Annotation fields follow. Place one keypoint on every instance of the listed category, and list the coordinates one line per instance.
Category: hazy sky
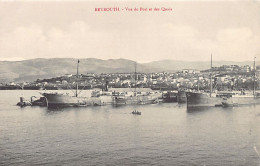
(191, 31)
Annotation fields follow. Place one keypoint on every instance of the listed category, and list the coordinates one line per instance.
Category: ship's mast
(135, 78)
(210, 75)
(254, 77)
(198, 85)
(77, 86)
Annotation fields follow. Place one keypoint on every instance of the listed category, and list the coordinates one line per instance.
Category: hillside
(30, 70)
(171, 65)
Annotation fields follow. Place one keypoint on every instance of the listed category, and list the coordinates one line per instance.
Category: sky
(191, 31)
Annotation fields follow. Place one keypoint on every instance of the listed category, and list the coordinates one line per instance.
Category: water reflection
(198, 109)
(164, 134)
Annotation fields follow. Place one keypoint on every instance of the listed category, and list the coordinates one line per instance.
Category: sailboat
(222, 98)
(66, 100)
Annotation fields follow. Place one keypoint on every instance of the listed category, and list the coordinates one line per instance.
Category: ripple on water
(165, 134)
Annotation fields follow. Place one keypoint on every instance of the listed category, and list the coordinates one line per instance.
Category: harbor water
(165, 134)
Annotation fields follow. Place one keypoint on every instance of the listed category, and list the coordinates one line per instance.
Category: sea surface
(165, 134)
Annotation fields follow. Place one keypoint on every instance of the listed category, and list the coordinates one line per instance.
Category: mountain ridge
(39, 68)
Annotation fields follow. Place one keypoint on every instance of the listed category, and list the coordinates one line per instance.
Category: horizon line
(142, 62)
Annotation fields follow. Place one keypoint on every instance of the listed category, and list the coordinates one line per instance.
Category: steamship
(221, 98)
(136, 97)
(66, 100)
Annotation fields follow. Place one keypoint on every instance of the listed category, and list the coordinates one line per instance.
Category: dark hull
(39, 102)
(135, 100)
(195, 99)
(181, 97)
(170, 97)
(60, 100)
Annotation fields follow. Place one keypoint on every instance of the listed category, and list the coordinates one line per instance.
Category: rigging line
(71, 89)
(82, 89)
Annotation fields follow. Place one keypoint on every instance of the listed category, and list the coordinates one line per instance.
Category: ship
(170, 96)
(134, 96)
(66, 100)
(222, 98)
(181, 96)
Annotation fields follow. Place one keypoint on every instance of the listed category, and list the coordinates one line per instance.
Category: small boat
(136, 112)
(219, 105)
(24, 102)
(227, 104)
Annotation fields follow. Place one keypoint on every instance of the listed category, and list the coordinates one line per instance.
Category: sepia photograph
(127, 82)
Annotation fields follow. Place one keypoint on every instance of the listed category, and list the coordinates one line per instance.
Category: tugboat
(41, 101)
(38, 101)
(24, 102)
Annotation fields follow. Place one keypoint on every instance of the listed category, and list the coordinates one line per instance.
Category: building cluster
(232, 69)
(222, 78)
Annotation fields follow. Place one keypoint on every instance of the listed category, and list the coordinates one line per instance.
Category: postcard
(129, 82)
